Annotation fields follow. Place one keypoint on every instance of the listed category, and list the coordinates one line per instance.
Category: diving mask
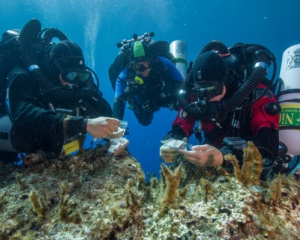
(141, 66)
(75, 75)
(207, 89)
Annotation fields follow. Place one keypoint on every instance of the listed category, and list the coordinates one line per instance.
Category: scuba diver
(51, 98)
(227, 94)
(148, 82)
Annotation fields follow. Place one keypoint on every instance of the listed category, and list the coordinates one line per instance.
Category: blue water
(98, 25)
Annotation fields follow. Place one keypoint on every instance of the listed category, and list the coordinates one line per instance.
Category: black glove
(215, 111)
(150, 106)
(74, 125)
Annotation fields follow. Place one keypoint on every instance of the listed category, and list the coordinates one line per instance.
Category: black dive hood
(38, 43)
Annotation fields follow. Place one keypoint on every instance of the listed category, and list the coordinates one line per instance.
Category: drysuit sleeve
(120, 100)
(182, 126)
(121, 83)
(24, 108)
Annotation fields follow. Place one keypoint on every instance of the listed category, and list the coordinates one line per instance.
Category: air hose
(30, 31)
(257, 76)
(51, 33)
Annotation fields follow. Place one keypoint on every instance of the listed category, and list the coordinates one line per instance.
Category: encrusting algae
(90, 196)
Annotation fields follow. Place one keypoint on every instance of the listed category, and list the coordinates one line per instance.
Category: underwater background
(97, 25)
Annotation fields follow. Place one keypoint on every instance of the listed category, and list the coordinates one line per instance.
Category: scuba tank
(178, 49)
(8, 59)
(289, 100)
(5, 129)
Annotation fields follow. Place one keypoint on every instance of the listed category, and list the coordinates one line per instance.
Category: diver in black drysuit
(35, 124)
(52, 99)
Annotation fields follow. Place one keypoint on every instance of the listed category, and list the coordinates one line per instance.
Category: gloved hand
(131, 88)
(150, 106)
(215, 111)
(166, 100)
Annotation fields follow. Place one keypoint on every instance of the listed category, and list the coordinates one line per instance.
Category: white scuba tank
(179, 50)
(5, 129)
(289, 100)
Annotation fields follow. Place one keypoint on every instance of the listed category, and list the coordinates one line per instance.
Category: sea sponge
(247, 164)
(252, 165)
(2, 199)
(64, 208)
(22, 184)
(64, 212)
(256, 165)
(206, 187)
(38, 203)
(237, 171)
(274, 191)
(171, 181)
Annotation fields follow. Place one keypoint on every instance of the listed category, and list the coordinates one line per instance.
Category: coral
(38, 203)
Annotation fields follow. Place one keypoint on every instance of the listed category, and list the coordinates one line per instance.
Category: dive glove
(74, 125)
(150, 106)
